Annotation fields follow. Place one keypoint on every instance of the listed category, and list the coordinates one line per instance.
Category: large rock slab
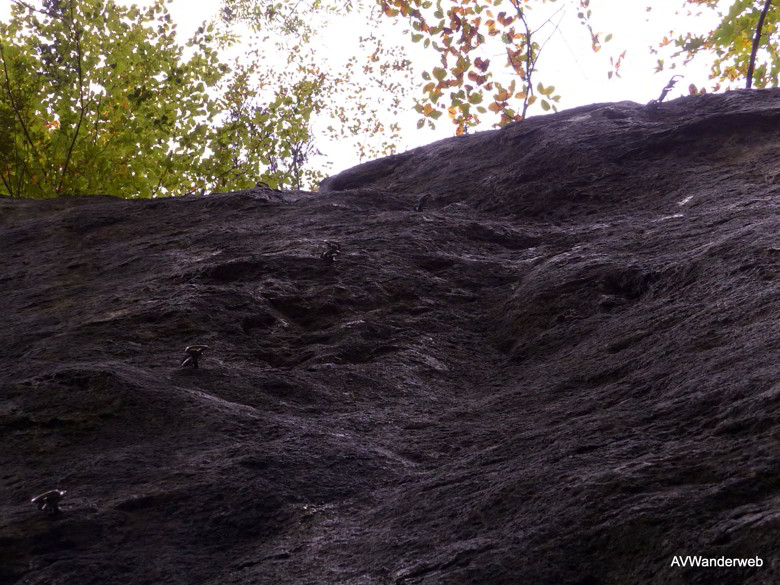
(563, 370)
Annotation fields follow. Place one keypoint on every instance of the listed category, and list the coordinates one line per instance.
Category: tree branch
(81, 103)
(162, 175)
(11, 98)
(33, 9)
(529, 58)
(17, 110)
(7, 185)
(756, 42)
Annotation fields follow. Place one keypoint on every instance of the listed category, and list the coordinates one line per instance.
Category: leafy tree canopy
(362, 91)
(466, 34)
(99, 97)
(733, 45)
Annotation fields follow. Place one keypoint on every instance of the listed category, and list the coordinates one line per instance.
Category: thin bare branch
(756, 43)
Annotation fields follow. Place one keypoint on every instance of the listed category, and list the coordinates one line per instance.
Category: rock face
(564, 370)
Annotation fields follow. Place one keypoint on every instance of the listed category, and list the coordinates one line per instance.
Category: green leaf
(420, 123)
(439, 73)
(134, 129)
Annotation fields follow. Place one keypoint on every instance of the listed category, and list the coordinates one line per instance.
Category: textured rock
(564, 370)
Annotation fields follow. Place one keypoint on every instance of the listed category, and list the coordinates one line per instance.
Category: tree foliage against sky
(99, 97)
(361, 93)
(730, 44)
(466, 34)
(93, 96)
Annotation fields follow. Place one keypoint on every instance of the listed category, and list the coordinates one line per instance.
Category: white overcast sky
(567, 62)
